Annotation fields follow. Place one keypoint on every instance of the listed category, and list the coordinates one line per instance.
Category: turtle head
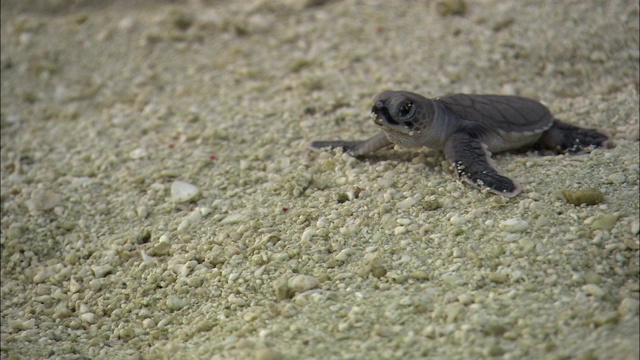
(402, 111)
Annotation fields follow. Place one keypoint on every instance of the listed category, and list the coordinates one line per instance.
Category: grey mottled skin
(468, 128)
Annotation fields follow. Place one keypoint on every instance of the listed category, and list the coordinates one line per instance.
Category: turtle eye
(405, 110)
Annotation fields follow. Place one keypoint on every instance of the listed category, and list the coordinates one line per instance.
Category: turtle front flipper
(355, 148)
(472, 162)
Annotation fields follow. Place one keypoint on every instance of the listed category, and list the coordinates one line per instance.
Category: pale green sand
(160, 200)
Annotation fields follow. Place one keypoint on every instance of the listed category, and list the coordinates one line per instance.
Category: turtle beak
(381, 116)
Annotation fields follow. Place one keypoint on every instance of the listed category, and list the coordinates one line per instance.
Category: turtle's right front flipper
(355, 148)
(472, 162)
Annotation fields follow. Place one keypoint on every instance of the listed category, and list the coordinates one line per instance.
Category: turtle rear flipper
(472, 162)
(355, 148)
(565, 137)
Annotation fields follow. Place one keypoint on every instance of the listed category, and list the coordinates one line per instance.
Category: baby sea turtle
(468, 128)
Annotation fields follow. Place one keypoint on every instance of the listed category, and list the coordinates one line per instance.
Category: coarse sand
(160, 200)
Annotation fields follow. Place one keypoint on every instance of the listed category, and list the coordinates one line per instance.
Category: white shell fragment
(514, 225)
(182, 191)
(302, 283)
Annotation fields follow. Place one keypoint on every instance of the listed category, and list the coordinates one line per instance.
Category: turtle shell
(518, 121)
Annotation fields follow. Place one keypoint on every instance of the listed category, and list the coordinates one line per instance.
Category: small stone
(377, 269)
(42, 200)
(95, 284)
(175, 303)
(498, 277)
(161, 249)
(142, 212)
(457, 220)
(587, 196)
(253, 313)
(605, 222)
(101, 271)
(628, 307)
(236, 300)
(514, 225)
(400, 230)
(19, 325)
(41, 277)
(495, 351)
(289, 310)
(148, 323)
(74, 287)
(419, 275)
(453, 310)
(302, 283)
(281, 288)
(234, 219)
(465, 299)
(430, 205)
(138, 153)
(308, 234)
(183, 192)
(593, 290)
(193, 218)
(635, 228)
(495, 330)
(89, 318)
(406, 203)
(344, 254)
(617, 178)
(342, 198)
(268, 354)
(451, 7)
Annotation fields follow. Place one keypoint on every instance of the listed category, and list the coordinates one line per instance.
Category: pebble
(457, 220)
(628, 307)
(400, 230)
(19, 325)
(406, 203)
(41, 277)
(138, 153)
(453, 310)
(193, 218)
(148, 323)
(268, 354)
(593, 290)
(605, 222)
(635, 227)
(163, 248)
(302, 283)
(514, 225)
(42, 200)
(101, 271)
(89, 318)
(175, 303)
(253, 313)
(234, 219)
(587, 196)
(617, 178)
(451, 7)
(281, 288)
(308, 234)
(183, 192)
(344, 254)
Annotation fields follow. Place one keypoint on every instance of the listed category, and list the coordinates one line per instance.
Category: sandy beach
(160, 200)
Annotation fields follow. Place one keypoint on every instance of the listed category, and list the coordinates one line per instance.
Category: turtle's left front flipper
(355, 148)
(472, 162)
